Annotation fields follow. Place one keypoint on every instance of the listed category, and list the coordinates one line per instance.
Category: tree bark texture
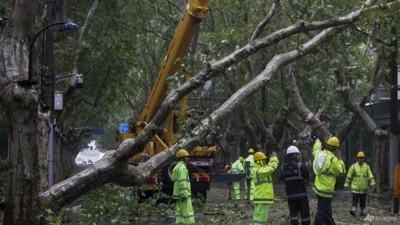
(21, 106)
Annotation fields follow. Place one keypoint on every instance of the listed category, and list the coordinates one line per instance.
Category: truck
(201, 157)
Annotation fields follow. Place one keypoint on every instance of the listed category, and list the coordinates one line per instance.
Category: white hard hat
(292, 149)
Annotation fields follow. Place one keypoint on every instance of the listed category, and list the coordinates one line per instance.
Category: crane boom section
(195, 11)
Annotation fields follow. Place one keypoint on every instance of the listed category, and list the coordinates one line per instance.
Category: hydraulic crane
(202, 158)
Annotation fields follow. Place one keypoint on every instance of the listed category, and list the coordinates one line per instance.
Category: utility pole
(394, 148)
(48, 76)
(47, 92)
(394, 152)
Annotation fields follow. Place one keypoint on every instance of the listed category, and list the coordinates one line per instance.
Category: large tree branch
(346, 126)
(351, 104)
(303, 111)
(305, 136)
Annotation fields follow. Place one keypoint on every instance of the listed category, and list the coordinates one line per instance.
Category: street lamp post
(64, 27)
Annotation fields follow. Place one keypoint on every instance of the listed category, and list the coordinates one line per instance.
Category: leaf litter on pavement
(218, 209)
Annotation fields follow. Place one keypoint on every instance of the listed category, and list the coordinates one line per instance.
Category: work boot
(362, 212)
(352, 212)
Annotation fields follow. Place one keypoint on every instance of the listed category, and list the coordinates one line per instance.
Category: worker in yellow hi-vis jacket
(237, 168)
(361, 179)
(182, 191)
(327, 166)
(263, 190)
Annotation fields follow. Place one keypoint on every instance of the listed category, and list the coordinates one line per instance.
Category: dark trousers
(357, 197)
(324, 212)
(296, 206)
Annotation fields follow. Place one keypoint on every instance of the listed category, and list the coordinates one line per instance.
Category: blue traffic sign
(123, 127)
(98, 131)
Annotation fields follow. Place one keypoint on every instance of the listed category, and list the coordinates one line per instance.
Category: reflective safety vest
(237, 168)
(293, 174)
(180, 177)
(264, 191)
(330, 168)
(360, 177)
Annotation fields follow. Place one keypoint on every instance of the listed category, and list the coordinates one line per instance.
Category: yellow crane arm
(195, 10)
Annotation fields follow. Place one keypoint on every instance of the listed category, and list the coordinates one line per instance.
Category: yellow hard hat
(333, 141)
(182, 153)
(259, 156)
(251, 151)
(241, 158)
(360, 155)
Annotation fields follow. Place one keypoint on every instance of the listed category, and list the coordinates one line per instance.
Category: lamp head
(3, 21)
(78, 81)
(68, 26)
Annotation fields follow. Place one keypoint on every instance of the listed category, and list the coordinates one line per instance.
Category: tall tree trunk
(22, 188)
(20, 104)
(43, 143)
